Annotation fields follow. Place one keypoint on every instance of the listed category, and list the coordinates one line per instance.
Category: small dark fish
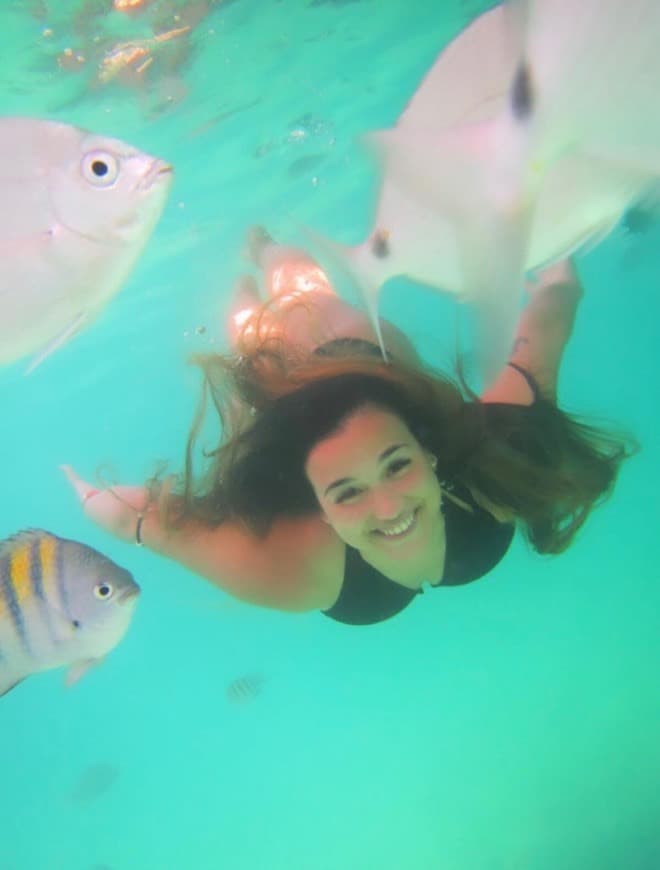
(243, 690)
(640, 219)
(305, 164)
(222, 116)
(94, 782)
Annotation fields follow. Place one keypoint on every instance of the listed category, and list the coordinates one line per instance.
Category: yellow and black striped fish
(61, 603)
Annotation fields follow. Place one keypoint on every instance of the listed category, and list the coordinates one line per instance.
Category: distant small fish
(94, 782)
(76, 210)
(639, 220)
(303, 165)
(245, 689)
(61, 604)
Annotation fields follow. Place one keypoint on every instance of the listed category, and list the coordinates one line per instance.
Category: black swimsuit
(475, 540)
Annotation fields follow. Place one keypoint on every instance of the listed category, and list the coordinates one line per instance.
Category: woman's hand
(116, 509)
(544, 328)
(561, 272)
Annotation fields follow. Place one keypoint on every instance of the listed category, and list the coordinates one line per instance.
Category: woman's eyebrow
(390, 450)
(383, 456)
(337, 483)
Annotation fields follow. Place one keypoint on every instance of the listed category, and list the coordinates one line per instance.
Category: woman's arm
(544, 328)
(297, 566)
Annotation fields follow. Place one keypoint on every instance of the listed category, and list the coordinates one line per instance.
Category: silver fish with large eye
(76, 211)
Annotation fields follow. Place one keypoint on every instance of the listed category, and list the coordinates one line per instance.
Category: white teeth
(400, 528)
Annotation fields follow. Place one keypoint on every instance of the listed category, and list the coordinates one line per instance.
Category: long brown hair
(534, 464)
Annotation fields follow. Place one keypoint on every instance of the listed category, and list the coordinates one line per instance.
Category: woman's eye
(397, 465)
(348, 495)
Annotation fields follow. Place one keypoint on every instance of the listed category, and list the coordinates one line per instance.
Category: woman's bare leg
(305, 310)
(245, 303)
(287, 272)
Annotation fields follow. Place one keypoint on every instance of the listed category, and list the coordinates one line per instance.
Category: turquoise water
(508, 725)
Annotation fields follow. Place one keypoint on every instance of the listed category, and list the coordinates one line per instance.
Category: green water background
(508, 725)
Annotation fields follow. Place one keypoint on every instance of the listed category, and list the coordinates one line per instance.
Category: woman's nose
(386, 503)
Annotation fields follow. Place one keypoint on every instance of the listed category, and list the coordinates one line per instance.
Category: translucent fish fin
(64, 628)
(61, 339)
(21, 539)
(338, 262)
(494, 284)
(78, 670)
(639, 160)
(7, 684)
(515, 20)
(475, 176)
(350, 280)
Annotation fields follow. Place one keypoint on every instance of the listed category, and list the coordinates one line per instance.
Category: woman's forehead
(362, 437)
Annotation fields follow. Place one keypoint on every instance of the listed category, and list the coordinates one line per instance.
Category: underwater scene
(152, 720)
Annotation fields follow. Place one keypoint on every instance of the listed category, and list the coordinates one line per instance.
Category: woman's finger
(83, 490)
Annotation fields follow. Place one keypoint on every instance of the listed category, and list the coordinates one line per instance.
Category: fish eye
(100, 168)
(103, 591)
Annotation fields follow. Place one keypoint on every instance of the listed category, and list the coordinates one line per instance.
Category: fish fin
(473, 174)
(64, 628)
(349, 277)
(515, 20)
(494, 282)
(78, 670)
(23, 538)
(60, 339)
(581, 200)
(7, 685)
(636, 160)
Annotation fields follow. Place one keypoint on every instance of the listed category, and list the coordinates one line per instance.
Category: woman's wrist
(117, 510)
(138, 530)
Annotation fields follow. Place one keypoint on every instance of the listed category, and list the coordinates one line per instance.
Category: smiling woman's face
(377, 489)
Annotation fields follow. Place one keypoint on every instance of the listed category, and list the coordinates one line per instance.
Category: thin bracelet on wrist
(138, 531)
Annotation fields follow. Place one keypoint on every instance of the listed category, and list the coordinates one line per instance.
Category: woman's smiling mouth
(400, 529)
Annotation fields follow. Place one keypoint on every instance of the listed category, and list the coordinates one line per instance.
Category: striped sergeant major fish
(61, 604)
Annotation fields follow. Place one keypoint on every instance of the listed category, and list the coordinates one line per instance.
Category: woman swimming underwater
(342, 483)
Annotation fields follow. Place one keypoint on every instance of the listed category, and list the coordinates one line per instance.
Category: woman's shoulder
(323, 559)
(304, 558)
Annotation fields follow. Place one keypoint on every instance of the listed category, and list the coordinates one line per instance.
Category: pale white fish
(61, 604)
(76, 211)
(531, 135)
